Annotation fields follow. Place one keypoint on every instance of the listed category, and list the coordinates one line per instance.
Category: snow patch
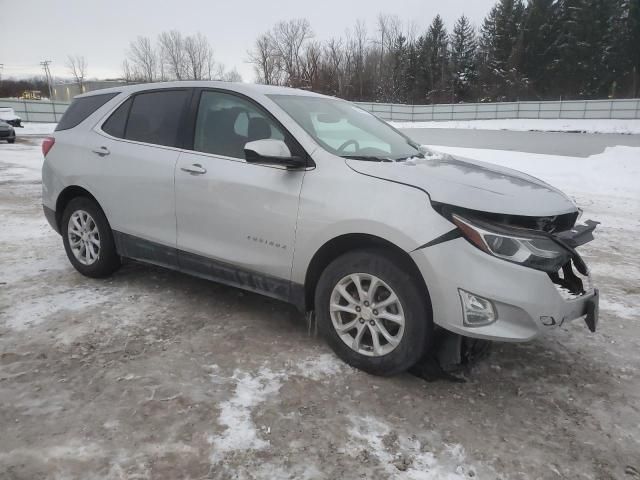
(23, 314)
(31, 128)
(19, 162)
(404, 457)
(320, 367)
(617, 169)
(620, 310)
(630, 126)
(241, 433)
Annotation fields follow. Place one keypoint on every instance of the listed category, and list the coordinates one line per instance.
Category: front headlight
(524, 247)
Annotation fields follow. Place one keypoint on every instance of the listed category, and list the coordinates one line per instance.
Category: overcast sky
(101, 30)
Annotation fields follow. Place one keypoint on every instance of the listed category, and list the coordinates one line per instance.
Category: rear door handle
(195, 169)
(101, 151)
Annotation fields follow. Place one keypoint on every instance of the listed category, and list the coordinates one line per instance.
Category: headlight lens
(525, 248)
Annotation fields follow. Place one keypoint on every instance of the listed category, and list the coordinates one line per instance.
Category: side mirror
(271, 152)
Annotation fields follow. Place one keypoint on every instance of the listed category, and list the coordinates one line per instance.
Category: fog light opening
(477, 311)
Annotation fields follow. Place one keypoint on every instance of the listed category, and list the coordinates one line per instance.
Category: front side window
(155, 117)
(81, 108)
(225, 123)
(346, 130)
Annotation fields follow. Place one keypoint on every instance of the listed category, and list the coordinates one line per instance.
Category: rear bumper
(527, 302)
(50, 215)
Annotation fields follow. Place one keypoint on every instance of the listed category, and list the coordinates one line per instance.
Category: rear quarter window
(117, 122)
(81, 108)
(155, 117)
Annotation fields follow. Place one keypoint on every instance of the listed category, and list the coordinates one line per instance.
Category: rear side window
(81, 108)
(155, 117)
(117, 122)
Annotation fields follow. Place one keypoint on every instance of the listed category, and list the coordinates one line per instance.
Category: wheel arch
(342, 244)
(68, 194)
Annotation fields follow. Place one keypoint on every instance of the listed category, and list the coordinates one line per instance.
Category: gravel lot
(155, 375)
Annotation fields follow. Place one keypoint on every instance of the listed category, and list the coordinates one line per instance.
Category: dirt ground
(155, 375)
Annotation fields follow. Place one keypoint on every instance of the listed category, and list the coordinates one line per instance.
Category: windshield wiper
(369, 158)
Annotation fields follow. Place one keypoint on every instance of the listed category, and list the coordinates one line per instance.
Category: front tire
(373, 313)
(88, 239)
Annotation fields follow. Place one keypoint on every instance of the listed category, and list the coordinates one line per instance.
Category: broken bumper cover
(526, 300)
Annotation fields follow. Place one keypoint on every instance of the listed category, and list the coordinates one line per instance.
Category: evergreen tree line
(544, 50)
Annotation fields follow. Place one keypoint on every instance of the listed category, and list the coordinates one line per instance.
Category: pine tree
(622, 50)
(580, 49)
(463, 59)
(398, 54)
(424, 77)
(540, 29)
(438, 61)
(501, 49)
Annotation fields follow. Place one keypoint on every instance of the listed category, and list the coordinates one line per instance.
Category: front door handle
(195, 169)
(101, 151)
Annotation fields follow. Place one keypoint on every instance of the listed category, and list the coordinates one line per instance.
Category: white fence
(36, 110)
(44, 111)
(605, 109)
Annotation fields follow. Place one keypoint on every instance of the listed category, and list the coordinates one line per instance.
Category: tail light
(47, 143)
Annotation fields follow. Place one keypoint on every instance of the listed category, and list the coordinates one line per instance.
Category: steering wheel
(347, 143)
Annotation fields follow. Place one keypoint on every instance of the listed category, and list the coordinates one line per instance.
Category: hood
(472, 184)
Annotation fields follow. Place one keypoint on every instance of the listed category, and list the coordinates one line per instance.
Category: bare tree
(335, 57)
(172, 53)
(288, 39)
(199, 57)
(127, 73)
(144, 60)
(77, 66)
(311, 63)
(230, 76)
(265, 61)
(360, 42)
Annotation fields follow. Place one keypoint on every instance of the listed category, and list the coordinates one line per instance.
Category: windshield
(346, 130)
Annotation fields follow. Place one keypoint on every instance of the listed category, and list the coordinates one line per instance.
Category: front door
(236, 220)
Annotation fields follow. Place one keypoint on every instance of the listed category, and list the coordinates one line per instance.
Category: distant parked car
(7, 132)
(8, 115)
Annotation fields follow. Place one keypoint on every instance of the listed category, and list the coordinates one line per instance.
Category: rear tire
(11, 140)
(399, 305)
(88, 239)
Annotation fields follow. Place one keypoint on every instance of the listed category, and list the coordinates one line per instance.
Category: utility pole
(47, 73)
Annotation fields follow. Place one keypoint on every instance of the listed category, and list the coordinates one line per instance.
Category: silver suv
(311, 200)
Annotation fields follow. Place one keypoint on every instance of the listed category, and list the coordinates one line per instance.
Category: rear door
(236, 220)
(138, 145)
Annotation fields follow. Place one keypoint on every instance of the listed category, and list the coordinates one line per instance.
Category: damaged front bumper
(526, 301)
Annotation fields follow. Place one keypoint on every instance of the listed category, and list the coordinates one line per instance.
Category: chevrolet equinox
(314, 201)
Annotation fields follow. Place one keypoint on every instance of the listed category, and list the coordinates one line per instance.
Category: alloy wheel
(367, 314)
(84, 237)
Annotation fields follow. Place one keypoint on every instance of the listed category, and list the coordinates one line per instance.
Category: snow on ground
(35, 129)
(614, 172)
(631, 126)
(152, 374)
(235, 414)
(21, 162)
